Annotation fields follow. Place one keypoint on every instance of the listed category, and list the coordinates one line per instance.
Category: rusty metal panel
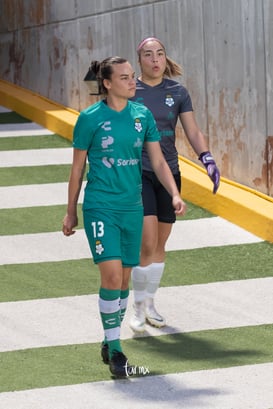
(90, 8)
(119, 4)
(22, 14)
(59, 58)
(129, 28)
(7, 55)
(182, 18)
(58, 11)
(268, 30)
(95, 43)
(11, 15)
(34, 12)
(235, 73)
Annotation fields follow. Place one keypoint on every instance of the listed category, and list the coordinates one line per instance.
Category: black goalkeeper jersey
(166, 101)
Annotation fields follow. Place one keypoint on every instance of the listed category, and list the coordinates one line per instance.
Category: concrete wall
(225, 47)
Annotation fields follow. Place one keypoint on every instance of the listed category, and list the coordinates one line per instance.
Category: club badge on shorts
(99, 247)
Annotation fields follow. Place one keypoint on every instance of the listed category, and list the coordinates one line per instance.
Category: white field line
(46, 194)
(241, 387)
(23, 129)
(4, 109)
(76, 320)
(36, 157)
(186, 234)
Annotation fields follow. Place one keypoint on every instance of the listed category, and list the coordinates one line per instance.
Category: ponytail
(172, 68)
(103, 70)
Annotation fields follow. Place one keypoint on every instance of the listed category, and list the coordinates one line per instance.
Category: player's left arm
(199, 144)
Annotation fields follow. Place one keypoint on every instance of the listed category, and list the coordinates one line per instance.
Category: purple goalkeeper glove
(212, 170)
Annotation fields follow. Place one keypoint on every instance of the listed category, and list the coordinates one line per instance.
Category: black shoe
(105, 353)
(119, 365)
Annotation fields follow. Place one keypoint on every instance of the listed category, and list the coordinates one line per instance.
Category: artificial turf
(165, 354)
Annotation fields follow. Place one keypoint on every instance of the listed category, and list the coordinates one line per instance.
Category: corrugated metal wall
(225, 47)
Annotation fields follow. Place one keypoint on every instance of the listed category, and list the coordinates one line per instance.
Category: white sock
(139, 282)
(153, 279)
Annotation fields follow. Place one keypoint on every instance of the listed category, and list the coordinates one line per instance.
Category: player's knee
(148, 249)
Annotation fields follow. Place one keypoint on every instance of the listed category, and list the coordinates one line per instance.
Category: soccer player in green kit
(111, 134)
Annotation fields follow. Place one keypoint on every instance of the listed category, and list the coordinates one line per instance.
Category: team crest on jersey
(138, 125)
(99, 247)
(169, 100)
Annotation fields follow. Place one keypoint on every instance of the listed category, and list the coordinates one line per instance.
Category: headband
(143, 42)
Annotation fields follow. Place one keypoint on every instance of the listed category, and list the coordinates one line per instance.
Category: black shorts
(156, 199)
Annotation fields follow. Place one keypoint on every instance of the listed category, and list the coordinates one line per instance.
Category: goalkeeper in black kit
(169, 101)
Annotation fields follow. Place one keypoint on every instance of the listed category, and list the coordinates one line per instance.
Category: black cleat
(119, 365)
(105, 353)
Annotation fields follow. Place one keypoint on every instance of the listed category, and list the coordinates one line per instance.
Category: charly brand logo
(136, 370)
(106, 126)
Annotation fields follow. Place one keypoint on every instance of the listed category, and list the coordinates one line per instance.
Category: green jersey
(114, 142)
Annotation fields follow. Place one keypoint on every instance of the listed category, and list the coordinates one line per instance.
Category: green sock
(109, 306)
(124, 295)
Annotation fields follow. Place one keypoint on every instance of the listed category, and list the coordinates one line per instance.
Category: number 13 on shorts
(98, 229)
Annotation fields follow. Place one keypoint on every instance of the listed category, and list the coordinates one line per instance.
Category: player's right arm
(74, 187)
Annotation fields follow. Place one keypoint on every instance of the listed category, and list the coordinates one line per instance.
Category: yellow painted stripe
(239, 204)
(53, 116)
